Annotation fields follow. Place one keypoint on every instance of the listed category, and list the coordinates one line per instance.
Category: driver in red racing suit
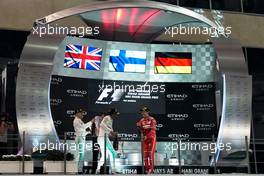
(147, 126)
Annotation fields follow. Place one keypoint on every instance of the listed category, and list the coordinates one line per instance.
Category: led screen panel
(173, 63)
(127, 61)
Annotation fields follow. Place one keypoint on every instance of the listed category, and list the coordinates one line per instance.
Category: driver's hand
(113, 134)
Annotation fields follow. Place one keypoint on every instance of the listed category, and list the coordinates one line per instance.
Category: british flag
(82, 57)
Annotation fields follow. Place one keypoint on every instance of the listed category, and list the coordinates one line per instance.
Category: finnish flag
(127, 61)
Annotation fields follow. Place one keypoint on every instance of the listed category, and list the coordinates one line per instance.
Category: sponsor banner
(193, 170)
(55, 101)
(190, 109)
(56, 81)
(206, 87)
(182, 110)
(76, 92)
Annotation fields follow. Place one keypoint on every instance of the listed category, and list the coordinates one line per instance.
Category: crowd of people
(6, 127)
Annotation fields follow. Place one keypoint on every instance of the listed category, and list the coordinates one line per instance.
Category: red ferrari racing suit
(148, 128)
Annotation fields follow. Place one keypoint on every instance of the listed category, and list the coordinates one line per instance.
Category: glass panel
(253, 6)
(230, 5)
(195, 3)
(174, 2)
(257, 106)
(255, 60)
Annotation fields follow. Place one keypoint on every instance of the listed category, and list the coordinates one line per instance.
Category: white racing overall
(80, 134)
(106, 127)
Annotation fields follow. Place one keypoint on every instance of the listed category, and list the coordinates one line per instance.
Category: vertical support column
(235, 86)
(142, 152)
(23, 152)
(105, 170)
(179, 154)
(242, 6)
(247, 154)
(65, 153)
(210, 5)
(254, 147)
(32, 90)
(214, 157)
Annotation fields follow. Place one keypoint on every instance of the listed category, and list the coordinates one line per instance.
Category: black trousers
(96, 152)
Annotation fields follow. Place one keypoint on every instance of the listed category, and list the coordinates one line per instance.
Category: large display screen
(185, 110)
(127, 61)
(173, 62)
(82, 57)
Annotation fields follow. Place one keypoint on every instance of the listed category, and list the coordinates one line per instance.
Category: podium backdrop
(185, 110)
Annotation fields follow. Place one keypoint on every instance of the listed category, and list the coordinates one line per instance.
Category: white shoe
(97, 171)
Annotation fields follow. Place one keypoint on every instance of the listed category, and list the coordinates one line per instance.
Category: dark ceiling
(11, 43)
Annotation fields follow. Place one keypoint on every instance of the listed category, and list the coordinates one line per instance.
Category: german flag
(172, 62)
